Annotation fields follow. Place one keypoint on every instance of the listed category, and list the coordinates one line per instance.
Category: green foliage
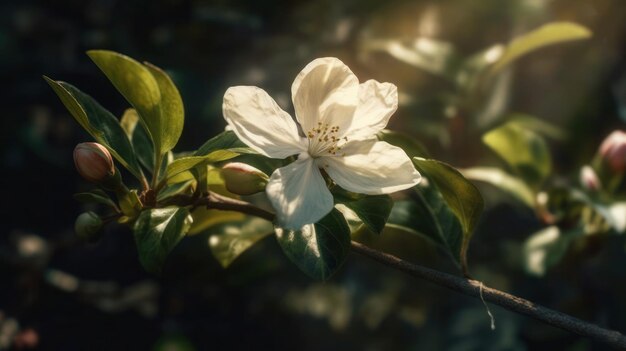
(232, 239)
(175, 189)
(129, 201)
(524, 151)
(460, 195)
(373, 210)
(150, 91)
(144, 150)
(96, 196)
(98, 122)
(411, 146)
(433, 56)
(186, 163)
(549, 34)
(157, 232)
(318, 249)
(223, 141)
(428, 215)
(503, 181)
(546, 248)
(537, 125)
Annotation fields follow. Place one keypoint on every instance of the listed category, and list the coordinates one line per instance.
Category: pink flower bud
(589, 179)
(93, 162)
(243, 179)
(613, 151)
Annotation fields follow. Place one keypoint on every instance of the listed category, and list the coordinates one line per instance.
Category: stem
(157, 169)
(220, 202)
(144, 182)
(462, 285)
(212, 200)
(511, 302)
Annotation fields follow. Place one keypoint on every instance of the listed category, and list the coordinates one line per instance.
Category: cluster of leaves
(477, 83)
(445, 207)
(568, 211)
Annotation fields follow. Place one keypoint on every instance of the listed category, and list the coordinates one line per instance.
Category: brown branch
(215, 201)
(220, 202)
(462, 285)
(508, 301)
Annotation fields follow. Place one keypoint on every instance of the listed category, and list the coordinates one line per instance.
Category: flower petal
(299, 194)
(371, 167)
(325, 91)
(377, 102)
(260, 123)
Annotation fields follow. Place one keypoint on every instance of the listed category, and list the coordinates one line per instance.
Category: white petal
(299, 194)
(377, 102)
(325, 91)
(260, 123)
(371, 167)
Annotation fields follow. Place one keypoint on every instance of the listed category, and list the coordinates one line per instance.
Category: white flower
(338, 119)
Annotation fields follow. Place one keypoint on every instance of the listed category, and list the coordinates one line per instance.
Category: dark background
(58, 293)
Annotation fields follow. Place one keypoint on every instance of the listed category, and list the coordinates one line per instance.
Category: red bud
(93, 162)
(613, 151)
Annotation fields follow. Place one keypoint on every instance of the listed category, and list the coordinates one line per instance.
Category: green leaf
(144, 150)
(223, 141)
(546, 248)
(174, 189)
(524, 150)
(130, 204)
(595, 216)
(128, 121)
(150, 92)
(503, 181)
(185, 163)
(96, 196)
(204, 219)
(538, 126)
(549, 34)
(172, 110)
(412, 147)
(472, 68)
(233, 239)
(317, 249)
(433, 56)
(460, 195)
(373, 210)
(428, 215)
(99, 123)
(157, 232)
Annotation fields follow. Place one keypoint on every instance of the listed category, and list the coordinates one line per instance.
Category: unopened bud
(589, 179)
(613, 151)
(87, 226)
(93, 162)
(243, 179)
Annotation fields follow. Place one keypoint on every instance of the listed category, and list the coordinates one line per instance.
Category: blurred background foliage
(59, 293)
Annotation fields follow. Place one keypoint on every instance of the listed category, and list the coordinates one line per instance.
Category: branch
(508, 301)
(220, 202)
(212, 200)
(463, 285)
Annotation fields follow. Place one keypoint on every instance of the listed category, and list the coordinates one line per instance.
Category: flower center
(324, 140)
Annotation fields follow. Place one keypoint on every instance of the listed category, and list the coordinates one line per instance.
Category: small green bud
(88, 226)
(243, 179)
(94, 162)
